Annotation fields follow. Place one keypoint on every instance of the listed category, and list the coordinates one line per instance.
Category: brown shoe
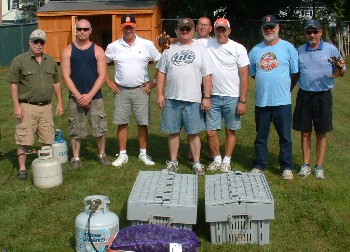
(22, 175)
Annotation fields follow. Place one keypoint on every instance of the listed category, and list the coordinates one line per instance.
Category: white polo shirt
(130, 62)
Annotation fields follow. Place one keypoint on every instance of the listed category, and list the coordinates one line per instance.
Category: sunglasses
(83, 29)
(185, 29)
(312, 32)
(269, 27)
(39, 41)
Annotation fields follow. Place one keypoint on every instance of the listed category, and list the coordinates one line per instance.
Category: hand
(160, 101)
(114, 86)
(206, 104)
(59, 109)
(85, 100)
(241, 108)
(147, 87)
(18, 112)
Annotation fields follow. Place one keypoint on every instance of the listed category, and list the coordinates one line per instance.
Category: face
(270, 32)
(221, 34)
(185, 34)
(313, 36)
(129, 33)
(203, 28)
(83, 30)
(36, 46)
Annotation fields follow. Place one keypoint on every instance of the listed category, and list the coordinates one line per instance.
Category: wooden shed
(58, 19)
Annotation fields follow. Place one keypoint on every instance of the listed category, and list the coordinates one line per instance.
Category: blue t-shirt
(315, 69)
(272, 67)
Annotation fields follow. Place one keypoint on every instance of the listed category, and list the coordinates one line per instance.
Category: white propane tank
(60, 149)
(103, 224)
(47, 170)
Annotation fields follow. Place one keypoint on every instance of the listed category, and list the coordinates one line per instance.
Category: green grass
(310, 214)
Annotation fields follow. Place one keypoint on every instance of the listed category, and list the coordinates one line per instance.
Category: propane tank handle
(45, 153)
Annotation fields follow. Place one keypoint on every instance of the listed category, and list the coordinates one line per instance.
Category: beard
(271, 37)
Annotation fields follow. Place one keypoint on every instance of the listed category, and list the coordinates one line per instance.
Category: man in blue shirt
(314, 99)
(273, 63)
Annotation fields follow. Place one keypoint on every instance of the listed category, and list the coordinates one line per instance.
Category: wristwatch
(154, 81)
(243, 101)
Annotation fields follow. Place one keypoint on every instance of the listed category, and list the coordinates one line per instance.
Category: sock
(122, 152)
(77, 159)
(142, 151)
(175, 162)
(318, 167)
(218, 158)
(195, 163)
(226, 160)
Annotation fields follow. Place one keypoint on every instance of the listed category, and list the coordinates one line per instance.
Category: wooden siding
(106, 28)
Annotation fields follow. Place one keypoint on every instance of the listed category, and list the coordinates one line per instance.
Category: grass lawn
(310, 214)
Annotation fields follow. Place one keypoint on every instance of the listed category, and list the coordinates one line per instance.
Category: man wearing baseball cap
(184, 66)
(273, 64)
(34, 77)
(131, 86)
(313, 107)
(229, 92)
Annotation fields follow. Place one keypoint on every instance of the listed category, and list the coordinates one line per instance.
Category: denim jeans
(281, 117)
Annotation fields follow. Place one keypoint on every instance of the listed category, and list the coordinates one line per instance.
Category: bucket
(47, 170)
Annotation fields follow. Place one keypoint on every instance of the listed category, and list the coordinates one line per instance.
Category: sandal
(22, 175)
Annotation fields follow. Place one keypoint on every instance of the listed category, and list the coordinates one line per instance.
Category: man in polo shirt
(34, 77)
(314, 100)
(131, 86)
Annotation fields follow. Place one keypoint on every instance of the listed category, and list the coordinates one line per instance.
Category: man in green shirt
(34, 77)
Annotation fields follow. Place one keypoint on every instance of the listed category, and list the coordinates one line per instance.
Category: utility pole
(1, 12)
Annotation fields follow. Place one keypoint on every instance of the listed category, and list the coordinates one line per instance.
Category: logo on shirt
(268, 61)
(183, 58)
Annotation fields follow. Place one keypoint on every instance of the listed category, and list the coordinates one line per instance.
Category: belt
(314, 92)
(130, 88)
(36, 103)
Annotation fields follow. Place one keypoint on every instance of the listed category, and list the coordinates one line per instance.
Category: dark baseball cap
(128, 20)
(269, 20)
(313, 23)
(185, 22)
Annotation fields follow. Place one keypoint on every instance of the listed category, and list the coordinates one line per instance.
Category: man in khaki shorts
(84, 68)
(34, 77)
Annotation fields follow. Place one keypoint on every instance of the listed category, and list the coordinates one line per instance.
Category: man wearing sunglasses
(314, 99)
(84, 68)
(184, 67)
(273, 64)
(131, 86)
(34, 77)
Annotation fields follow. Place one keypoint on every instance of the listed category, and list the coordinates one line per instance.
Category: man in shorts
(34, 77)
(84, 68)
(185, 66)
(314, 100)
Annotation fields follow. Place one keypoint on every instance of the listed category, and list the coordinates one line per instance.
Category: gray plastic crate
(164, 198)
(239, 207)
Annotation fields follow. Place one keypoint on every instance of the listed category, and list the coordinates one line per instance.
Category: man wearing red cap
(131, 86)
(230, 86)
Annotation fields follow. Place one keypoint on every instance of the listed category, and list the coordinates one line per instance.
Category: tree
(29, 7)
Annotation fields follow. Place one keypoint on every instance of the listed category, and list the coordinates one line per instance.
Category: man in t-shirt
(229, 93)
(185, 65)
(273, 65)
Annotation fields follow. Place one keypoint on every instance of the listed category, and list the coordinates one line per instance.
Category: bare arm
(58, 94)
(244, 86)
(206, 104)
(160, 86)
(294, 81)
(14, 95)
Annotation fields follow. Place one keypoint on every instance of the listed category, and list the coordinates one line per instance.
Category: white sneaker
(304, 170)
(225, 167)
(121, 159)
(198, 169)
(287, 174)
(256, 170)
(147, 160)
(171, 166)
(213, 166)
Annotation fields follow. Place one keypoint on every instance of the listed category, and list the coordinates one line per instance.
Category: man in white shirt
(230, 76)
(131, 86)
(185, 66)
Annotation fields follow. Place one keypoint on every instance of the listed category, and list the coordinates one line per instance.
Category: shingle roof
(53, 6)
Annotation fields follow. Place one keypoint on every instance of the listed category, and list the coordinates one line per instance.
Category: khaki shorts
(132, 101)
(78, 117)
(36, 119)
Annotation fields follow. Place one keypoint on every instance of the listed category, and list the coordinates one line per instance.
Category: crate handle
(152, 220)
(248, 219)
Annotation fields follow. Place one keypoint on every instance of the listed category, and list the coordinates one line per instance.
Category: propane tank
(60, 149)
(103, 224)
(47, 170)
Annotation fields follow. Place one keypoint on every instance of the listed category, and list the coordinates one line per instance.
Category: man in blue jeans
(273, 64)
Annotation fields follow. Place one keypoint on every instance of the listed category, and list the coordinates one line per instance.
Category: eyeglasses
(185, 29)
(39, 41)
(269, 27)
(312, 32)
(83, 29)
